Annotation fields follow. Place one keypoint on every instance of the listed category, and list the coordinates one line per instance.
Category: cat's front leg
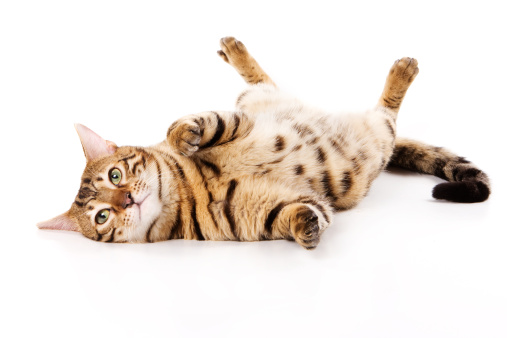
(210, 129)
(185, 134)
(235, 53)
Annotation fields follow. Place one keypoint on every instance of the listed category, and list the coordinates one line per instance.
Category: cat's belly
(318, 154)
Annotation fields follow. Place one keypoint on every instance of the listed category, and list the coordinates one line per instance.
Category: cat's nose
(128, 201)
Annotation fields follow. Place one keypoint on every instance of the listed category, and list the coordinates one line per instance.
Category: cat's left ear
(94, 146)
(61, 222)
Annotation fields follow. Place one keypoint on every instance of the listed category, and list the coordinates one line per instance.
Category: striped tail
(467, 183)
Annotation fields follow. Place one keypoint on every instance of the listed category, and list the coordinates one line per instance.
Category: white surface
(399, 265)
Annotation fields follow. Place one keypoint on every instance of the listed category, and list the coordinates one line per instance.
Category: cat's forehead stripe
(86, 193)
(125, 159)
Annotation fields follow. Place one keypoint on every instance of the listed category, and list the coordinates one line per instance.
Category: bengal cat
(273, 169)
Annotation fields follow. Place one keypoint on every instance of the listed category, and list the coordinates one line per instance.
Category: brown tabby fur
(273, 169)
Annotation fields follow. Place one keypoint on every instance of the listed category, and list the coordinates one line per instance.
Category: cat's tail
(467, 183)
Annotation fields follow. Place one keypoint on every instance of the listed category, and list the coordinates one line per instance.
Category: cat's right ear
(94, 146)
(61, 222)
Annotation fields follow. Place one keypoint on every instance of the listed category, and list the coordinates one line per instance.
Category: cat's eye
(115, 176)
(102, 216)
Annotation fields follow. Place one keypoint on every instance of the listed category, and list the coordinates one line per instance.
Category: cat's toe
(223, 56)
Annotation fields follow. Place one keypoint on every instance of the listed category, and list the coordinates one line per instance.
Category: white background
(398, 265)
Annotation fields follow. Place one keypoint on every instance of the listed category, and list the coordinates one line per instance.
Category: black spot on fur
(321, 155)
(279, 143)
(337, 147)
(275, 161)
(327, 186)
(299, 169)
(362, 155)
(296, 148)
(312, 141)
(302, 129)
(346, 182)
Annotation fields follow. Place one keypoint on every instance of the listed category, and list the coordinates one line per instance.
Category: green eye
(102, 216)
(115, 176)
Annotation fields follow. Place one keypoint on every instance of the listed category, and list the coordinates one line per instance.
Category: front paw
(185, 135)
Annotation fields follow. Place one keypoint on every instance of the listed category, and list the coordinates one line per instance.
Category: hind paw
(306, 228)
(404, 71)
(232, 50)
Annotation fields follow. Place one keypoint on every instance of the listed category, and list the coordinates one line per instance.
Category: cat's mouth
(139, 203)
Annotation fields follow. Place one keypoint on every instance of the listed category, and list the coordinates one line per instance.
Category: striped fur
(273, 169)
(467, 184)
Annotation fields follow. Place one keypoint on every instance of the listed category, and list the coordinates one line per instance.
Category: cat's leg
(235, 53)
(401, 75)
(201, 131)
(302, 222)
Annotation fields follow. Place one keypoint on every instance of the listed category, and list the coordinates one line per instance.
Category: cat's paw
(232, 50)
(404, 71)
(184, 136)
(306, 229)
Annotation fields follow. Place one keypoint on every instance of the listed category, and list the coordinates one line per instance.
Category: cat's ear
(94, 146)
(61, 222)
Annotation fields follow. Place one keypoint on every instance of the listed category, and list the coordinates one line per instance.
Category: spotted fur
(273, 169)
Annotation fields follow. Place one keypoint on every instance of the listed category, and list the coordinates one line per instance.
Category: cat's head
(119, 197)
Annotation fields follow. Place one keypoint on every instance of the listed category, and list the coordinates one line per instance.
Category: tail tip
(462, 192)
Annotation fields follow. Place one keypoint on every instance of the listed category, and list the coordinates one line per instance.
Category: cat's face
(118, 199)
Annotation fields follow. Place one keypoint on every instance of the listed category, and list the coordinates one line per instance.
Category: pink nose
(127, 201)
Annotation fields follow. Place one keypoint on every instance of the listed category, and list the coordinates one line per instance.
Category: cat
(273, 169)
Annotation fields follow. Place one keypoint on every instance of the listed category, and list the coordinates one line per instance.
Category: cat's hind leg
(302, 222)
(235, 53)
(401, 75)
